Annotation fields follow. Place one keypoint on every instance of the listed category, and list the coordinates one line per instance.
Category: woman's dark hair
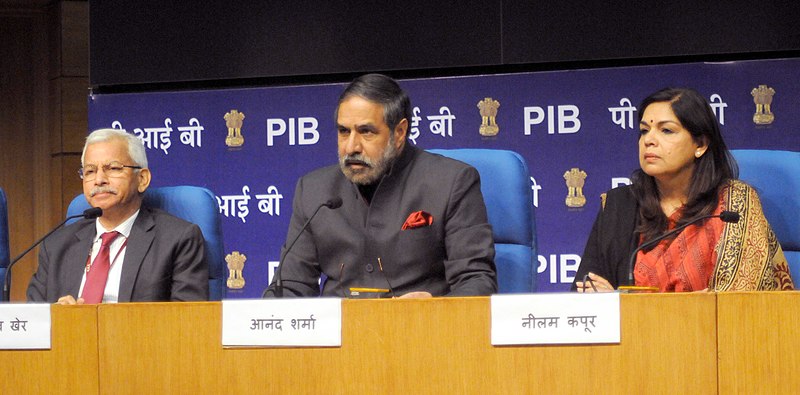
(383, 90)
(712, 170)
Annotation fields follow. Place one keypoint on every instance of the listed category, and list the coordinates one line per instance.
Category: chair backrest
(776, 177)
(506, 188)
(196, 205)
(5, 257)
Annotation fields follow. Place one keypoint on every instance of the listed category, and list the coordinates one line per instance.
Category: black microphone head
(92, 213)
(334, 203)
(729, 216)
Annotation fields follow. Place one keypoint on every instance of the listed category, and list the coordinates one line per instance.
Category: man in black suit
(148, 255)
(411, 222)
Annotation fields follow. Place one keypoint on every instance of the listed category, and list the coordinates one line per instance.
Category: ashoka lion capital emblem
(234, 120)
(488, 109)
(235, 262)
(762, 97)
(575, 178)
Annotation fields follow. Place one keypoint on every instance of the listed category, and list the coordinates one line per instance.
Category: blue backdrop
(560, 120)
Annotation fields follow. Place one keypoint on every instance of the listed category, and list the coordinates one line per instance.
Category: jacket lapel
(139, 242)
(75, 259)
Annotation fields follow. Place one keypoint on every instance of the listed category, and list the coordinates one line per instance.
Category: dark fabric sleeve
(37, 288)
(61, 263)
(301, 270)
(611, 240)
(469, 267)
(190, 270)
(592, 258)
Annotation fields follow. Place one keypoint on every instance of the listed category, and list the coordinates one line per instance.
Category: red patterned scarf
(744, 256)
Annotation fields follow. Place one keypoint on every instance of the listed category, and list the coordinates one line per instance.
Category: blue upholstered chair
(4, 247)
(196, 205)
(506, 187)
(776, 177)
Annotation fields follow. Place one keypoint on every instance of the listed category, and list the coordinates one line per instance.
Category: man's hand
(416, 295)
(65, 300)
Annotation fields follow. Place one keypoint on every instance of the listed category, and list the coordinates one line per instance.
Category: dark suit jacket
(612, 240)
(164, 260)
(453, 256)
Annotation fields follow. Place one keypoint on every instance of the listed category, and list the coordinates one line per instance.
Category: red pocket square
(418, 219)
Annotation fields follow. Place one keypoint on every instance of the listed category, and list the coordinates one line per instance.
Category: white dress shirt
(116, 254)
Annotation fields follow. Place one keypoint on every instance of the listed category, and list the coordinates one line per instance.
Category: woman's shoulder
(739, 187)
(619, 196)
(737, 195)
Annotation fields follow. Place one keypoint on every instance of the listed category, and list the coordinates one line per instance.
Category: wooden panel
(166, 348)
(69, 367)
(75, 39)
(409, 346)
(51, 210)
(74, 113)
(23, 134)
(664, 336)
(52, 120)
(759, 342)
(669, 344)
(68, 114)
(54, 115)
(68, 27)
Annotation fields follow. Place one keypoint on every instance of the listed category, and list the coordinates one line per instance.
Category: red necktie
(98, 273)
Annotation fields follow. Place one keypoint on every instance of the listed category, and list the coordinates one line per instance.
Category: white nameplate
(295, 322)
(556, 318)
(24, 326)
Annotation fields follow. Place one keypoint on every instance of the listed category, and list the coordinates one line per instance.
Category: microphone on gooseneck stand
(726, 216)
(332, 204)
(90, 213)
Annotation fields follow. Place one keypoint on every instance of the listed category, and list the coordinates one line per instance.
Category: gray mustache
(102, 189)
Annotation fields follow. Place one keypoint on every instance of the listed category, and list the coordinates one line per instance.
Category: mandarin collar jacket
(452, 256)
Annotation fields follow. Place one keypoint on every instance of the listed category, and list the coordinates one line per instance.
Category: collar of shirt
(111, 292)
(124, 228)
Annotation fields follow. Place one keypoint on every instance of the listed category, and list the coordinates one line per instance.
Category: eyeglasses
(113, 169)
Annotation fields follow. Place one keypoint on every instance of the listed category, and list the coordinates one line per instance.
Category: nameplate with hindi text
(555, 318)
(24, 326)
(294, 322)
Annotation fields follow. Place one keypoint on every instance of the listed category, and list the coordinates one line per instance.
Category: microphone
(90, 213)
(335, 202)
(332, 204)
(726, 216)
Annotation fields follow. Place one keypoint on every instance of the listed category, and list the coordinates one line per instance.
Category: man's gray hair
(135, 147)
